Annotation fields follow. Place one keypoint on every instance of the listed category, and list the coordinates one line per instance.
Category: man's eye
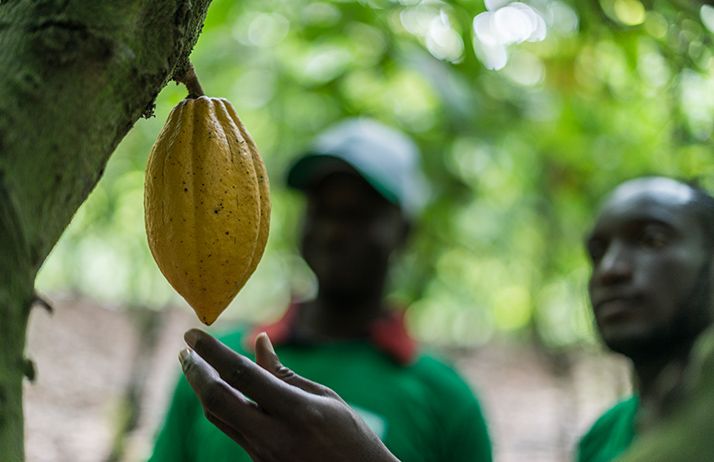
(655, 239)
(596, 250)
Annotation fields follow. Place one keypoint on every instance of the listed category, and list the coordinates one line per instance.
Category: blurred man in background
(651, 290)
(363, 188)
(651, 249)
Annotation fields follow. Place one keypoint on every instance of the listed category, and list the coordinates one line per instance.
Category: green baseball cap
(386, 158)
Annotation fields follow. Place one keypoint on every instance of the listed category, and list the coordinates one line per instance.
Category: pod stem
(187, 76)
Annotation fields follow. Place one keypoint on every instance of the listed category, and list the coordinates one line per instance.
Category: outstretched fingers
(219, 400)
(270, 393)
(266, 358)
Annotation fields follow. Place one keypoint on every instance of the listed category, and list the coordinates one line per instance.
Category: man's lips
(612, 307)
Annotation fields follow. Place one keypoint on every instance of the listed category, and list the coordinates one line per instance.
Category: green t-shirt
(423, 411)
(611, 434)
(686, 433)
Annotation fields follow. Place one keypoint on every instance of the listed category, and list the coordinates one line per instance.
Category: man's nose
(336, 229)
(615, 266)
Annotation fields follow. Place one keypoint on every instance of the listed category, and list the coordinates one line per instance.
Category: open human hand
(273, 413)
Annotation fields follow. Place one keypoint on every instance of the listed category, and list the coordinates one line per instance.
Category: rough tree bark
(76, 75)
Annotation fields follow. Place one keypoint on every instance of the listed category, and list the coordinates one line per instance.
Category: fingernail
(184, 356)
(266, 340)
(191, 337)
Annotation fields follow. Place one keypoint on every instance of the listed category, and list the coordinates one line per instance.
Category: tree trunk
(76, 75)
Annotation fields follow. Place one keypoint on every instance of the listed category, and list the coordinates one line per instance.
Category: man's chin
(637, 348)
(630, 344)
(627, 348)
(345, 292)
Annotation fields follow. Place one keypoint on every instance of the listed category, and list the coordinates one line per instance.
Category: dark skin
(349, 234)
(651, 295)
(287, 417)
(650, 286)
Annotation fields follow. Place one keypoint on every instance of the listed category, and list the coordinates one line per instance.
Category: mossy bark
(76, 75)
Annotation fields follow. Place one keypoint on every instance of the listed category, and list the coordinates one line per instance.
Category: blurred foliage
(518, 157)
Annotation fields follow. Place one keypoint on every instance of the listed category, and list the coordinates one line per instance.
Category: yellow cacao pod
(206, 204)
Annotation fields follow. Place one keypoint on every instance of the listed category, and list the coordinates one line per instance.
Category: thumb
(266, 358)
(265, 354)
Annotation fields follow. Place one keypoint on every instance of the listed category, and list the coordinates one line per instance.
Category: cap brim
(313, 167)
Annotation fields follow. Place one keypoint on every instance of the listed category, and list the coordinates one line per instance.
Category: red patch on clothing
(388, 333)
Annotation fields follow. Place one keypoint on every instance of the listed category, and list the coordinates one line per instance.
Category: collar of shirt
(388, 333)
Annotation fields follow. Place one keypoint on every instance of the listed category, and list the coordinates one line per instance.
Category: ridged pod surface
(206, 204)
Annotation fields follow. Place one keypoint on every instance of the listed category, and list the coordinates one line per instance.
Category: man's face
(650, 281)
(349, 233)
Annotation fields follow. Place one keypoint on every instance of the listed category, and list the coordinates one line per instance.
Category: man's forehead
(641, 197)
(660, 189)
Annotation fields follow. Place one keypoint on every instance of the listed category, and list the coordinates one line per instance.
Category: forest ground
(105, 374)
